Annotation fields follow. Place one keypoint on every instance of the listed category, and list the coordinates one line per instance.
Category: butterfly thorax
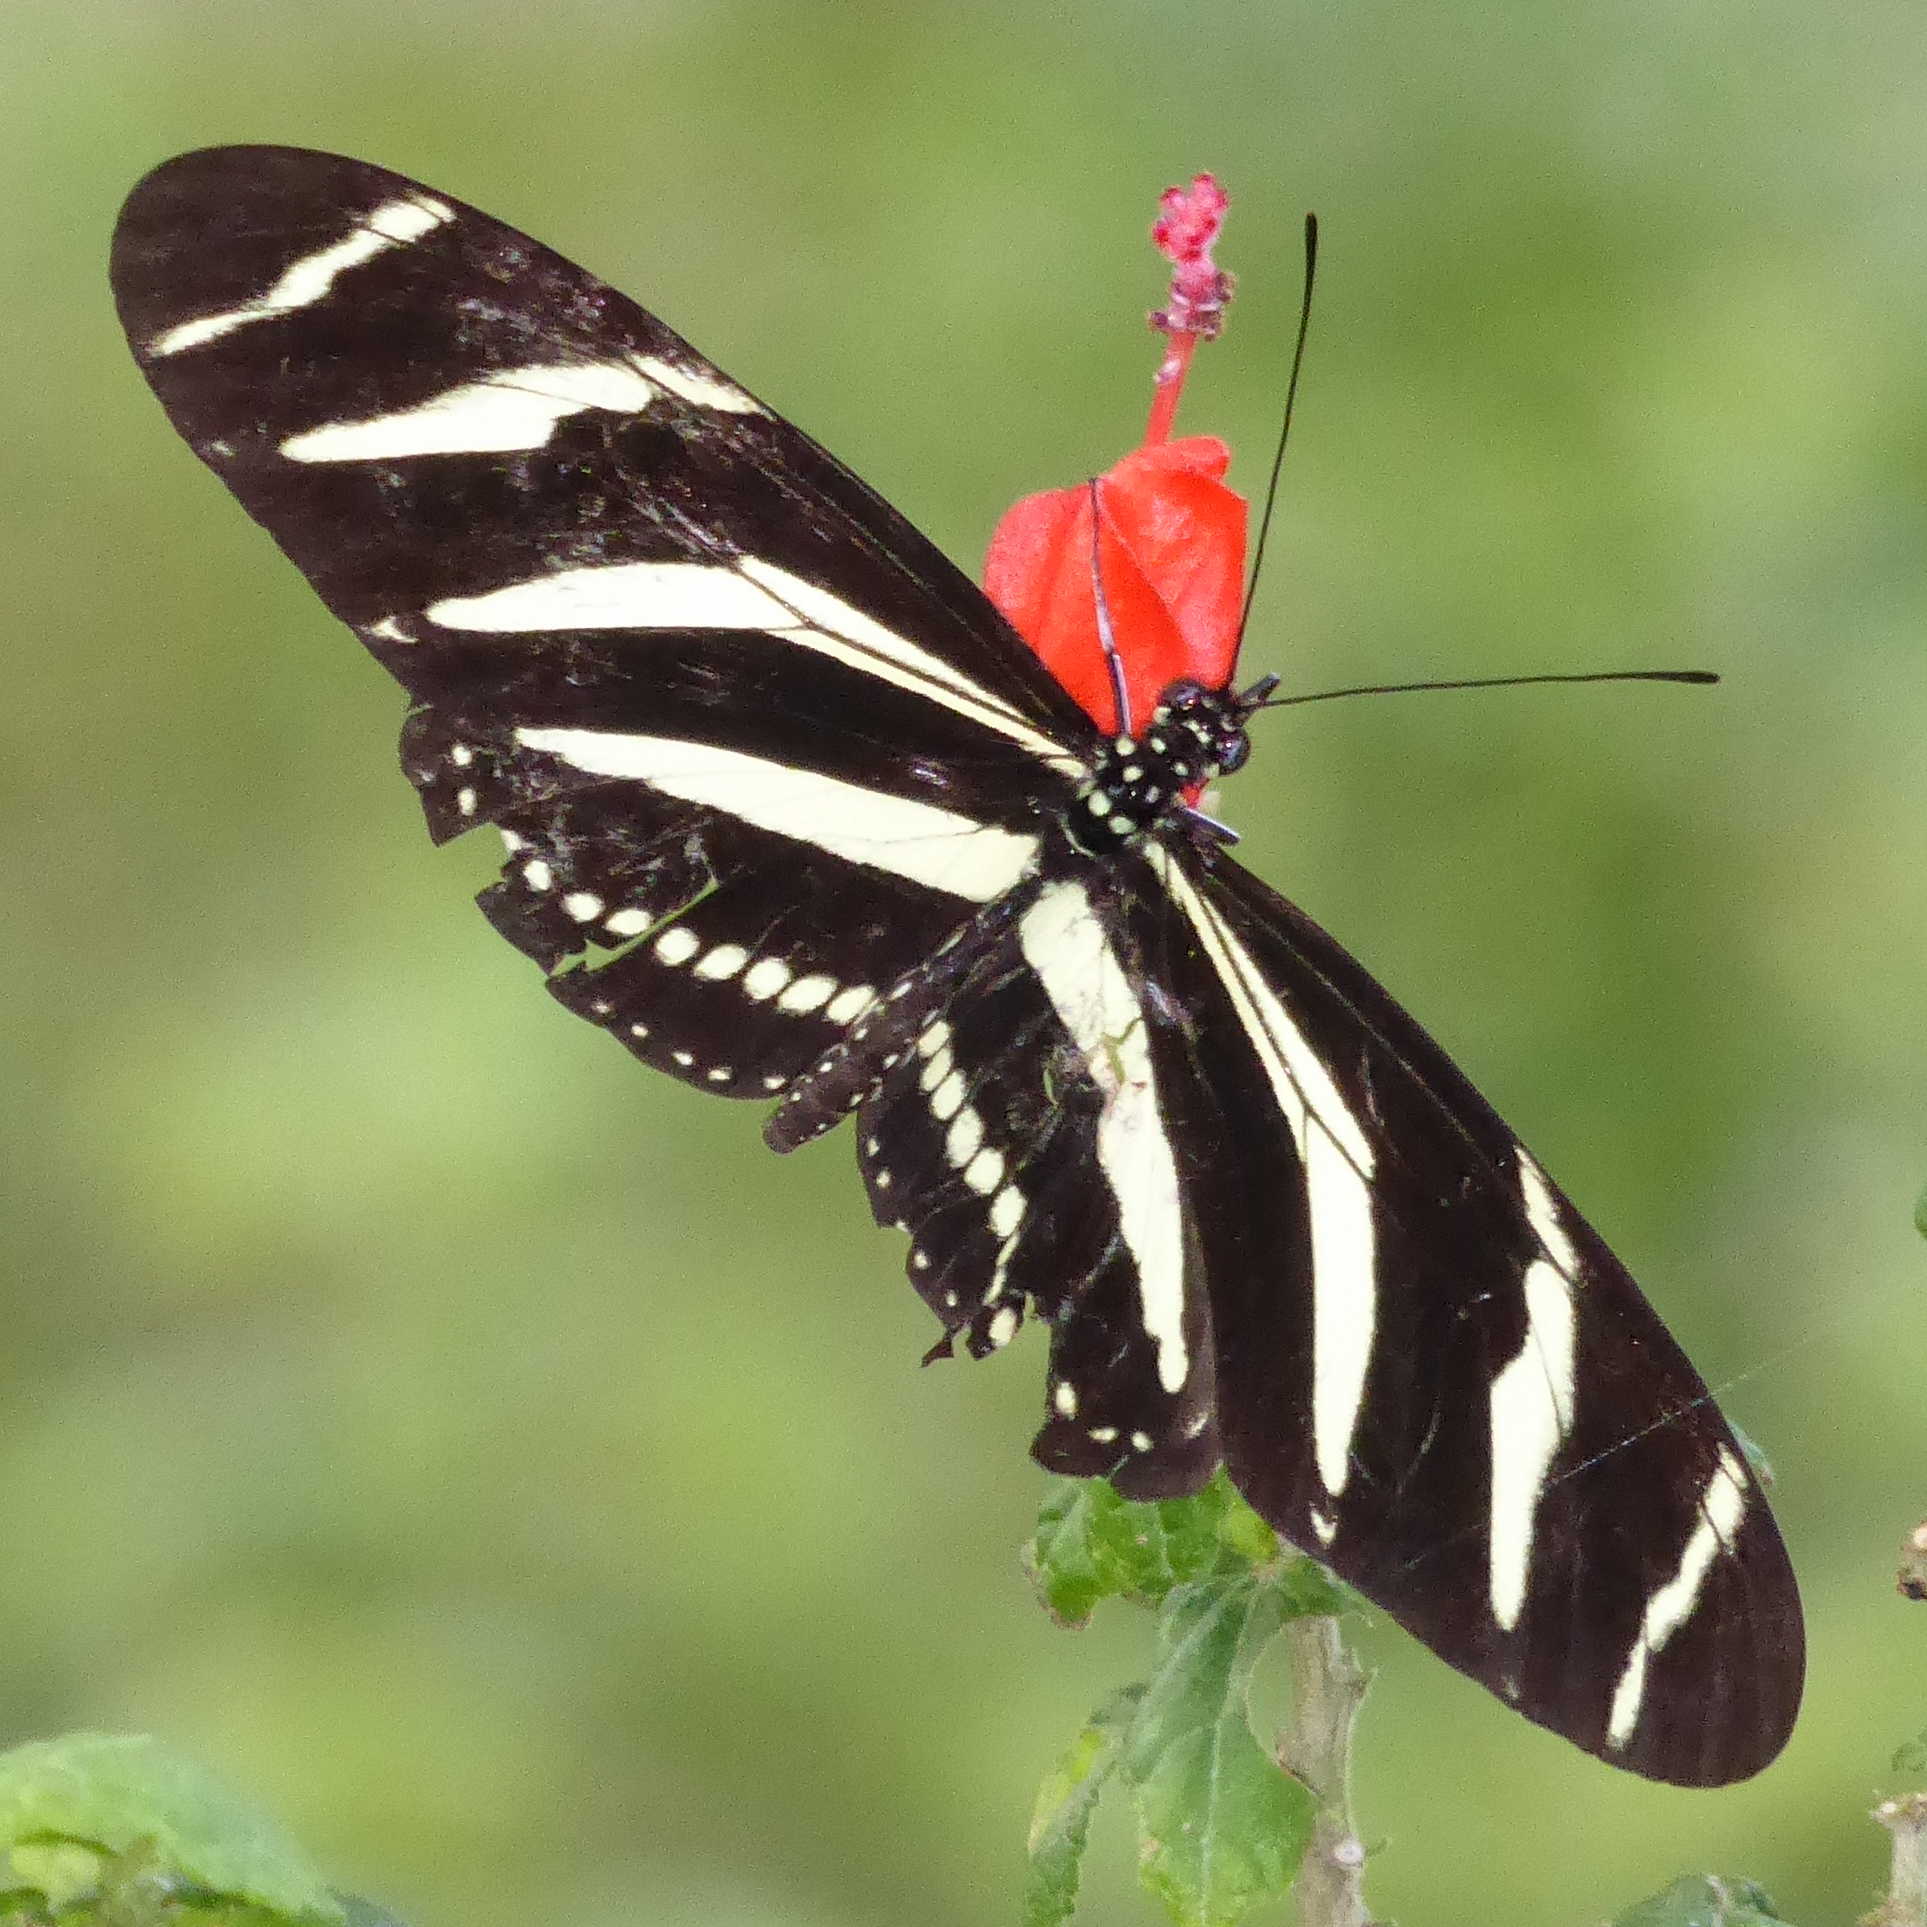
(1141, 781)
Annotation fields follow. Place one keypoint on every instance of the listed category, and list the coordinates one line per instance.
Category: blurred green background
(492, 1456)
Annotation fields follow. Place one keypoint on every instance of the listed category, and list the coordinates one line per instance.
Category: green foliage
(1220, 1825)
(1702, 1900)
(1065, 1803)
(113, 1827)
(1910, 1760)
(1092, 1545)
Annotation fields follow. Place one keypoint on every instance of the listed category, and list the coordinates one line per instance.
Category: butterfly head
(1139, 782)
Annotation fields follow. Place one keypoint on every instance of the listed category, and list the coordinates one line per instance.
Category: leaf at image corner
(1065, 1802)
(120, 1790)
(1221, 1825)
(1703, 1900)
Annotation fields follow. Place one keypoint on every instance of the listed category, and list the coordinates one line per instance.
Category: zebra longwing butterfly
(792, 812)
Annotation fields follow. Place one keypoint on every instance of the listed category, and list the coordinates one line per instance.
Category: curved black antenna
(1284, 433)
(1701, 676)
(1120, 690)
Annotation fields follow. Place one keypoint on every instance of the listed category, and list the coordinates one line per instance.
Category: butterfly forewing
(784, 807)
(754, 743)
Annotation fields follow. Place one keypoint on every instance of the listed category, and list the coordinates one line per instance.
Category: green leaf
(1911, 1759)
(119, 1791)
(1308, 1591)
(1092, 1545)
(1703, 1900)
(1065, 1803)
(1920, 1214)
(1221, 1825)
(1061, 1559)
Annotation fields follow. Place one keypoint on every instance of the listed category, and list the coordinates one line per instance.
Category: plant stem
(1327, 1688)
(1906, 1902)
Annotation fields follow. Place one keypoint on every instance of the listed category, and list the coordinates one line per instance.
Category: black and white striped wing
(784, 806)
(1433, 1373)
(754, 746)
(1268, 1220)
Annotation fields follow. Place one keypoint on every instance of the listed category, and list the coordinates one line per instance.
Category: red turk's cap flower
(1171, 535)
(1171, 552)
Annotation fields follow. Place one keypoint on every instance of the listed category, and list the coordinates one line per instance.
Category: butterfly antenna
(1284, 433)
(1114, 660)
(1700, 676)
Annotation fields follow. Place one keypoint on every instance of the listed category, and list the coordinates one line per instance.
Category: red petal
(1172, 562)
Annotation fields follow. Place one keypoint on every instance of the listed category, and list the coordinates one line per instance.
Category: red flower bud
(1171, 553)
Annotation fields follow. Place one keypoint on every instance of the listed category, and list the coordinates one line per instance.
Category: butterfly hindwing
(1020, 1143)
(1434, 1374)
